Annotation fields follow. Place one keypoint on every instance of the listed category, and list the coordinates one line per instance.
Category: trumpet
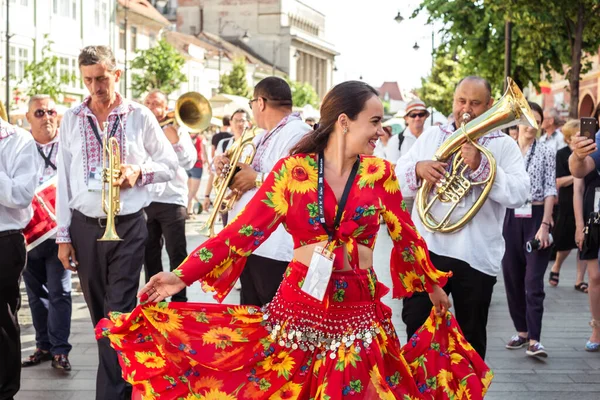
(111, 170)
(224, 203)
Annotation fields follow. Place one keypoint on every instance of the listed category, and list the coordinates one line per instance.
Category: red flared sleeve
(218, 262)
(410, 266)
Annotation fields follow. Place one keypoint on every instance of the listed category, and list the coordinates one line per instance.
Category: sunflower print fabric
(289, 196)
(297, 347)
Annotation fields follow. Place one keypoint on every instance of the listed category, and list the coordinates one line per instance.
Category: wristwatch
(259, 179)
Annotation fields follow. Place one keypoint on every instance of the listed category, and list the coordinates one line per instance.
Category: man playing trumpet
(272, 110)
(109, 271)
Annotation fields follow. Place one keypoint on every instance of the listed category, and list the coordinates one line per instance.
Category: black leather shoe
(61, 361)
(36, 358)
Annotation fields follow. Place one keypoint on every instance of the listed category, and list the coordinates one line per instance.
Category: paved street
(569, 372)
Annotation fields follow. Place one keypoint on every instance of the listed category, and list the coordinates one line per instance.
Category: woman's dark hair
(536, 107)
(346, 98)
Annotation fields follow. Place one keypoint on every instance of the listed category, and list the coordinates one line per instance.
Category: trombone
(111, 170)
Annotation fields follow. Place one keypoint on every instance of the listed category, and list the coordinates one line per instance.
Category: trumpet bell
(193, 111)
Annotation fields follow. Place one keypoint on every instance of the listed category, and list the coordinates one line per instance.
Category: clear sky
(375, 46)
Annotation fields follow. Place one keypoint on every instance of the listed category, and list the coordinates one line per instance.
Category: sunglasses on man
(419, 115)
(39, 113)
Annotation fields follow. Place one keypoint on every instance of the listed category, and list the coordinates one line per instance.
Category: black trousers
(12, 262)
(524, 272)
(165, 221)
(109, 273)
(260, 280)
(471, 296)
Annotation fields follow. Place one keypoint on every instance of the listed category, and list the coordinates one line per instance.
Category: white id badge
(319, 273)
(524, 211)
(597, 200)
(95, 179)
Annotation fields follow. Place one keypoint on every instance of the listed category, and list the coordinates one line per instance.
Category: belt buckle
(100, 222)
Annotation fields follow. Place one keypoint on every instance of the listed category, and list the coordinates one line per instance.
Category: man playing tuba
(473, 253)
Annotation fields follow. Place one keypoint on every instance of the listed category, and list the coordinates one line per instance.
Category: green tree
(235, 82)
(546, 36)
(303, 93)
(158, 68)
(42, 77)
(437, 90)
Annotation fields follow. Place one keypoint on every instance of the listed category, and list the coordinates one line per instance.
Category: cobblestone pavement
(568, 373)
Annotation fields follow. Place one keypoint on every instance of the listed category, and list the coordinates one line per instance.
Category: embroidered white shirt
(141, 142)
(175, 191)
(279, 246)
(479, 242)
(19, 169)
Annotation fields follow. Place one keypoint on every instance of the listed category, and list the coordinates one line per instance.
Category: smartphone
(588, 127)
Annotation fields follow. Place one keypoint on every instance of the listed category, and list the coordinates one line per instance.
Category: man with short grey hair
(109, 271)
(551, 134)
(47, 283)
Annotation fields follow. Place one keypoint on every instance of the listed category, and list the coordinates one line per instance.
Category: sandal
(582, 287)
(553, 280)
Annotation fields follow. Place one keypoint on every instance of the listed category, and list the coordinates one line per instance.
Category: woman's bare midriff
(365, 255)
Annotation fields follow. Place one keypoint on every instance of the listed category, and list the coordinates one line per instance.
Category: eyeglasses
(253, 100)
(39, 113)
(418, 115)
(239, 121)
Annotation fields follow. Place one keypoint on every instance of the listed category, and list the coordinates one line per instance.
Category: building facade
(286, 34)
(68, 24)
(557, 94)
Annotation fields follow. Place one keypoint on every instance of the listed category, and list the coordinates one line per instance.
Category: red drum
(43, 224)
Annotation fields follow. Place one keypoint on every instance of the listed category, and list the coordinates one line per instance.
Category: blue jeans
(48, 287)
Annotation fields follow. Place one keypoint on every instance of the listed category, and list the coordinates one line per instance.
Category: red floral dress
(297, 347)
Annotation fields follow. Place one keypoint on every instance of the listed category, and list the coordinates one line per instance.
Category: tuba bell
(192, 111)
(511, 109)
(224, 201)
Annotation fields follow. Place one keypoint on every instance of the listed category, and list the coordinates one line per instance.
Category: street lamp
(399, 18)
(246, 37)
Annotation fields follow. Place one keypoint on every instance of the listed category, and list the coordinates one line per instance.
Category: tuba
(224, 201)
(111, 170)
(511, 109)
(192, 111)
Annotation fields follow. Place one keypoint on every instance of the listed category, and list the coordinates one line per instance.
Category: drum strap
(47, 158)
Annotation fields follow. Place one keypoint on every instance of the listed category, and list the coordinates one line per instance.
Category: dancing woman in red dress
(328, 193)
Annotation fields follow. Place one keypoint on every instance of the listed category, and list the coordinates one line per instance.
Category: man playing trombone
(168, 210)
(109, 271)
(272, 110)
